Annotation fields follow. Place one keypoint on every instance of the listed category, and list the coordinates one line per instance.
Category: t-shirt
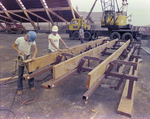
(82, 32)
(23, 45)
(56, 41)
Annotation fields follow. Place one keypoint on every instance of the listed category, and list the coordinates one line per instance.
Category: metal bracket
(67, 55)
(134, 56)
(121, 73)
(88, 48)
(92, 58)
(82, 61)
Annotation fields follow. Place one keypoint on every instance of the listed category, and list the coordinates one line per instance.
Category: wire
(25, 102)
(4, 109)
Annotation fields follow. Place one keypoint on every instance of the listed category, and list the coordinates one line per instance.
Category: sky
(140, 9)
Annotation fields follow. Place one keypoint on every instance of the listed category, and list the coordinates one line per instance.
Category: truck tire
(115, 35)
(18, 32)
(127, 36)
(76, 35)
(9, 31)
(87, 35)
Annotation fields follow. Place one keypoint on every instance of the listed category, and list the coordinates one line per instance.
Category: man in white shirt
(23, 45)
(81, 34)
(53, 40)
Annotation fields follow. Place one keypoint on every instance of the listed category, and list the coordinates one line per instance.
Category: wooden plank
(18, 15)
(93, 76)
(9, 78)
(37, 16)
(42, 61)
(40, 9)
(70, 64)
(57, 15)
(51, 57)
(2, 26)
(49, 16)
(126, 105)
(25, 12)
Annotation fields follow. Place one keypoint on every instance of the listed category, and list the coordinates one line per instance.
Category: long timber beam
(45, 60)
(97, 72)
(126, 105)
(72, 63)
(64, 69)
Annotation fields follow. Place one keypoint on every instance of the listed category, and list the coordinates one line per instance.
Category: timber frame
(98, 74)
(77, 60)
(42, 64)
(51, 12)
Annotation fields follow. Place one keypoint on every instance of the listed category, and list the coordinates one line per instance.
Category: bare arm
(52, 42)
(14, 46)
(35, 52)
(63, 43)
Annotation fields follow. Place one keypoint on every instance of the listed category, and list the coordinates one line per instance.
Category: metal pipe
(56, 82)
(89, 92)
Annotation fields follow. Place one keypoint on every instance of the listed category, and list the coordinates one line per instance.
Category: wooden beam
(18, 15)
(37, 16)
(2, 20)
(25, 12)
(46, 10)
(40, 10)
(70, 64)
(8, 18)
(70, 5)
(126, 105)
(93, 76)
(9, 78)
(2, 27)
(51, 58)
(57, 15)
(8, 15)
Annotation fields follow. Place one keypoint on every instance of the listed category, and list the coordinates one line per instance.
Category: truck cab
(76, 23)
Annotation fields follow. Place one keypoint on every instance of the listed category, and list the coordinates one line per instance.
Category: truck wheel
(127, 36)
(76, 35)
(87, 35)
(115, 35)
(9, 31)
(18, 32)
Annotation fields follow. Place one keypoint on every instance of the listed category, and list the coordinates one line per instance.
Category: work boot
(33, 88)
(19, 92)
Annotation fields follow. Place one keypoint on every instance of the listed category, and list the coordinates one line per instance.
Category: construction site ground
(65, 100)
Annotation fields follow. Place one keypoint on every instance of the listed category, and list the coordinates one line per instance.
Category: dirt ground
(65, 100)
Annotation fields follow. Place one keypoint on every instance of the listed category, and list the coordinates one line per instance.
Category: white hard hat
(55, 28)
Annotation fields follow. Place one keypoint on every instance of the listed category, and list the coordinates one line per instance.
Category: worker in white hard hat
(23, 45)
(53, 40)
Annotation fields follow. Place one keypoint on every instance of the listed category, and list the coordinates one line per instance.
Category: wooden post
(25, 12)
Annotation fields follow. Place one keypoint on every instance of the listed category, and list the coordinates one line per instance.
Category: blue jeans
(82, 40)
(20, 78)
